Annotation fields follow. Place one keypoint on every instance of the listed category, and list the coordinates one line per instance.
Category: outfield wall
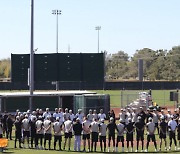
(145, 85)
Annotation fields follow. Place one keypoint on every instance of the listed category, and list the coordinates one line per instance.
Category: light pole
(57, 13)
(31, 85)
(98, 28)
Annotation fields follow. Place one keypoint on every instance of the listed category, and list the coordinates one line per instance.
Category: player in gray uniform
(47, 132)
(56, 114)
(26, 130)
(120, 135)
(101, 115)
(80, 115)
(151, 136)
(86, 133)
(68, 133)
(122, 116)
(39, 132)
(66, 114)
(57, 127)
(102, 134)
(90, 116)
(46, 114)
(71, 115)
(94, 134)
(95, 115)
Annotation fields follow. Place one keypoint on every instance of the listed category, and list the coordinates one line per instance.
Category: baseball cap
(111, 119)
(139, 117)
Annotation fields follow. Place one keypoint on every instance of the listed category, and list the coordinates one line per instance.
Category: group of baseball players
(35, 129)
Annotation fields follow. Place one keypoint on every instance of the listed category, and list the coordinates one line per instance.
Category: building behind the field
(74, 100)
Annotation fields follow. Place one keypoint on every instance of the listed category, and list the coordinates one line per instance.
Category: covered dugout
(74, 100)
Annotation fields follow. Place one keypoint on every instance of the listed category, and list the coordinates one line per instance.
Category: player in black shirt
(178, 131)
(111, 133)
(176, 116)
(33, 130)
(18, 126)
(4, 123)
(139, 125)
(148, 115)
(9, 122)
(142, 114)
(163, 131)
(129, 135)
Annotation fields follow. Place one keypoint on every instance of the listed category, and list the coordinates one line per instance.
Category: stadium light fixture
(57, 13)
(98, 28)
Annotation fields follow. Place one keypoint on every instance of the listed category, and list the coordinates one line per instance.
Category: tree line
(157, 65)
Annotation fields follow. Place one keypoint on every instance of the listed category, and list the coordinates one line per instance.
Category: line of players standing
(38, 126)
(166, 124)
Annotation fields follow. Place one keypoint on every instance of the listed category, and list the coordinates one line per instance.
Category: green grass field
(161, 97)
(11, 149)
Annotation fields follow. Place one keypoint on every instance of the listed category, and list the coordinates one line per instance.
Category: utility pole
(31, 85)
(57, 13)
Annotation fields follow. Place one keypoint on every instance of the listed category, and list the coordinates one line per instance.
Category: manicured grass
(161, 97)
(11, 149)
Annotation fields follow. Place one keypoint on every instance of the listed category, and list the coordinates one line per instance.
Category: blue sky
(127, 25)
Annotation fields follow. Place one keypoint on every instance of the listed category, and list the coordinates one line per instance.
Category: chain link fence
(159, 97)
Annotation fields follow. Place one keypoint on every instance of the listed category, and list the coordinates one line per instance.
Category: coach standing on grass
(18, 135)
(111, 133)
(139, 125)
(172, 125)
(163, 131)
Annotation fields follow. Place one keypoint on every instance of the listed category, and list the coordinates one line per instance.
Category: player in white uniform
(86, 133)
(47, 132)
(134, 115)
(66, 114)
(61, 115)
(46, 114)
(95, 115)
(151, 136)
(94, 134)
(68, 132)
(128, 115)
(57, 127)
(102, 135)
(101, 115)
(26, 130)
(122, 116)
(156, 119)
(71, 115)
(56, 114)
(39, 132)
(80, 115)
(168, 115)
(90, 116)
(120, 135)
